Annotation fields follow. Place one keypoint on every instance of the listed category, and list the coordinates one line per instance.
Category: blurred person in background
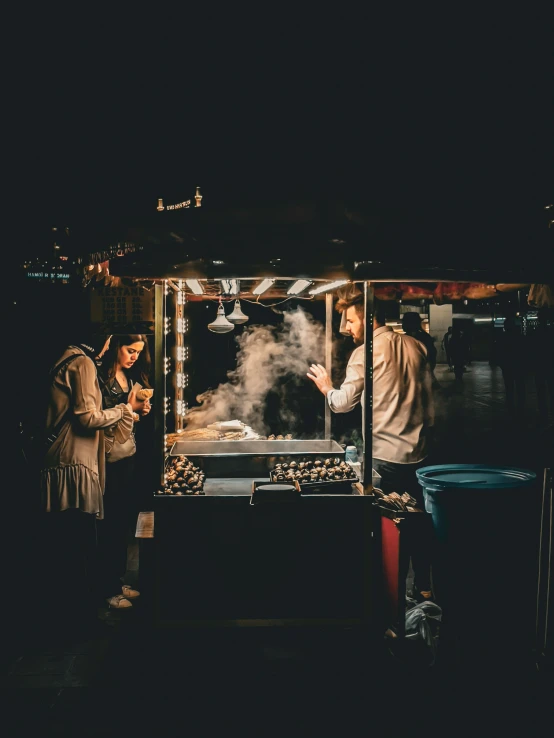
(511, 357)
(446, 346)
(541, 360)
(411, 325)
(459, 352)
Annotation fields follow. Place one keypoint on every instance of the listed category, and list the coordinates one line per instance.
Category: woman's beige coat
(74, 466)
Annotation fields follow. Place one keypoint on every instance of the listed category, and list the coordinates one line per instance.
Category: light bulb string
(220, 300)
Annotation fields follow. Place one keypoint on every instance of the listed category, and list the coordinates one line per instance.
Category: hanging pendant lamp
(237, 316)
(220, 324)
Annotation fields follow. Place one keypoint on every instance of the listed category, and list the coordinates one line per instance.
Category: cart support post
(328, 355)
(159, 376)
(369, 304)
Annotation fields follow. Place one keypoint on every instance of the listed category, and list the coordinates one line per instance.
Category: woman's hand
(137, 405)
(146, 407)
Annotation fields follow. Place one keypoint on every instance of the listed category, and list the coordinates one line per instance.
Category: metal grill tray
(257, 448)
(330, 487)
(250, 458)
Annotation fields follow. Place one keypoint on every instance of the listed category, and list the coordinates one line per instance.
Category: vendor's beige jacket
(403, 407)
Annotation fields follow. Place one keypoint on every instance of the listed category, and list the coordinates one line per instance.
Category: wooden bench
(145, 525)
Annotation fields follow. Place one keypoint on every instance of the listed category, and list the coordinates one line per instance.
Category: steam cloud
(266, 354)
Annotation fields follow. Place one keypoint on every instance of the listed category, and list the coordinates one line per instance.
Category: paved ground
(123, 677)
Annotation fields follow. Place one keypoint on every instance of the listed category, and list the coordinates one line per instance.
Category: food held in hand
(145, 393)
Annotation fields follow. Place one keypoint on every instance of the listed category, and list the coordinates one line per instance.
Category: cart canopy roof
(325, 240)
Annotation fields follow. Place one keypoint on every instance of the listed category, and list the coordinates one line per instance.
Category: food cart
(228, 547)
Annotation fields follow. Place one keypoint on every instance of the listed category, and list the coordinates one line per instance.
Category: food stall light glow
(230, 286)
(167, 325)
(237, 316)
(195, 286)
(299, 286)
(182, 353)
(220, 324)
(264, 285)
(182, 380)
(182, 408)
(182, 325)
(328, 286)
(482, 320)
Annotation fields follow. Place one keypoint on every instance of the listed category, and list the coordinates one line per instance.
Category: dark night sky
(457, 125)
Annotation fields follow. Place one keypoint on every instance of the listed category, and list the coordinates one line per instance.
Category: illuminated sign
(179, 205)
(121, 305)
(185, 204)
(48, 275)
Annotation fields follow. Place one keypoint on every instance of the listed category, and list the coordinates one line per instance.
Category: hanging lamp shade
(237, 316)
(220, 324)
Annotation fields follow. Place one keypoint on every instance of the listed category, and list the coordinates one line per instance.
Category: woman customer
(125, 369)
(73, 470)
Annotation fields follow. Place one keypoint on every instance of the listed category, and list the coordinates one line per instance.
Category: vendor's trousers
(402, 478)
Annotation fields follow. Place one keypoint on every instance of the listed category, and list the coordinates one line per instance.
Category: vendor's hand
(318, 375)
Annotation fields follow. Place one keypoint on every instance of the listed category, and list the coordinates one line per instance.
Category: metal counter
(220, 560)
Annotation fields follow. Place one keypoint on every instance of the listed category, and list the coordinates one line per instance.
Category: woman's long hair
(140, 371)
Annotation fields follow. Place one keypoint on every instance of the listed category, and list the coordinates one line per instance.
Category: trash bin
(449, 489)
(486, 521)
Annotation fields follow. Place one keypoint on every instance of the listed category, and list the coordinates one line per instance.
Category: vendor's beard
(358, 341)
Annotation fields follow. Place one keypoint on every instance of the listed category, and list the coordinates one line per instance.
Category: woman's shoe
(129, 593)
(119, 602)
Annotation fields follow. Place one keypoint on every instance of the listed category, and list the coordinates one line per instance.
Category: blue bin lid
(470, 476)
